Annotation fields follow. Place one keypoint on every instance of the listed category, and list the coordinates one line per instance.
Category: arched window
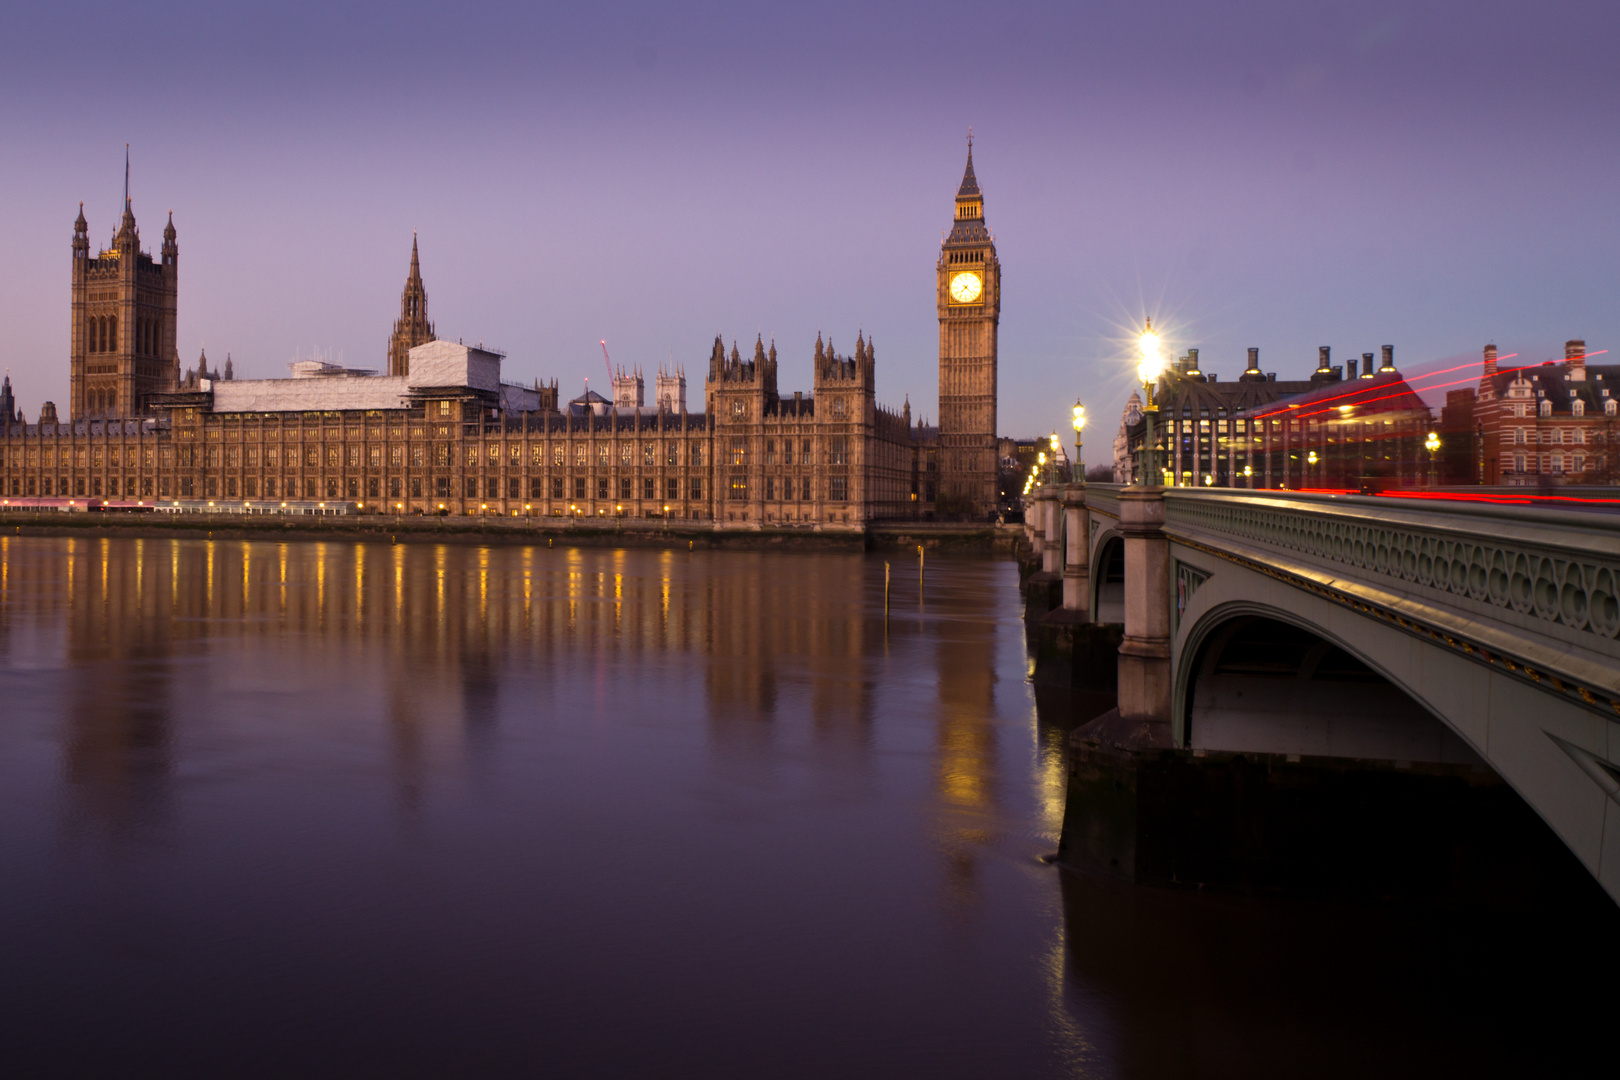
(112, 332)
(1546, 407)
(90, 335)
(101, 331)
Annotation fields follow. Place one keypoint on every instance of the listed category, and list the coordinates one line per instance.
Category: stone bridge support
(1145, 684)
(1052, 552)
(1076, 553)
(1070, 648)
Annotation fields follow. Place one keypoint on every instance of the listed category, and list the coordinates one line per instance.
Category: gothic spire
(412, 328)
(126, 228)
(970, 183)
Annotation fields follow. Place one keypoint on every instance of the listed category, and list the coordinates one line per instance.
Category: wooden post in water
(885, 594)
(919, 566)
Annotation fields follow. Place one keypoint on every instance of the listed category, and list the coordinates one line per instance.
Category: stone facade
(441, 433)
(472, 445)
(412, 328)
(124, 321)
(835, 457)
(969, 301)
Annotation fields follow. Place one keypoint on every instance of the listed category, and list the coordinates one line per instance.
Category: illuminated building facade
(123, 340)
(968, 289)
(1338, 429)
(441, 433)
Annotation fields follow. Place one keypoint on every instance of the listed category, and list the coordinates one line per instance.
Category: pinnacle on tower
(970, 183)
(412, 328)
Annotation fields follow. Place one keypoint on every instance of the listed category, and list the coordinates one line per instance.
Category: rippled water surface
(337, 809)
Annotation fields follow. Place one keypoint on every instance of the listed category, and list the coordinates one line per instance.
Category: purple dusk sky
(1282, 175)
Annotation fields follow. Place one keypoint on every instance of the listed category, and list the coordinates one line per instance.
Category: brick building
(1550, 423)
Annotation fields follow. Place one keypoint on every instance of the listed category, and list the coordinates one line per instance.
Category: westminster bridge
(1418, 633)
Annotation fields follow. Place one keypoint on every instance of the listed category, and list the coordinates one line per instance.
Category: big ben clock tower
(969, 312)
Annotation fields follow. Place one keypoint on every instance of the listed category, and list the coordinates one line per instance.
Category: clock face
(966, 287)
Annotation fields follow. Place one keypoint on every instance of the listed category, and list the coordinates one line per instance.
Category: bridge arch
(1261, 680)
(1536, 741)
(1107, 578)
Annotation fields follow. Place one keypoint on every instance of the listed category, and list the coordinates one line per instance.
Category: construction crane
(607, 362)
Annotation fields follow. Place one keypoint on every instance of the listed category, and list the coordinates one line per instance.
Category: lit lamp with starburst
(1148, 369)
(1079, 426)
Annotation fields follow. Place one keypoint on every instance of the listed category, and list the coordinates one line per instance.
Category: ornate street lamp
(1079, 426)
(1148, 369)
(1432, 445)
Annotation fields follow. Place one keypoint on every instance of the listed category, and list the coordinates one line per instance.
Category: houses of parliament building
(441, 432)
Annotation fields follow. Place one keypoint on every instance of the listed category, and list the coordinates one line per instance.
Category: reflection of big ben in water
(966, 760)
(969, 299)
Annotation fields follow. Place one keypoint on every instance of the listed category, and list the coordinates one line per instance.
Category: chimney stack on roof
(1366, 365)
(1252, 373)
(1389, 360)
(1575, 360)
(1490, 362)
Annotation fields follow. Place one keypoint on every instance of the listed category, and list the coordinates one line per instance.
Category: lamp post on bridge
(1079, 426)
(1147, 370)
(1432, 445)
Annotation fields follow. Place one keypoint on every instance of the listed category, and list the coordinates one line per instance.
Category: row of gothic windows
(101, 335)
(100, 402)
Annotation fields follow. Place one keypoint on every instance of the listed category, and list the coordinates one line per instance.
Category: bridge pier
(1071, 649)
(1052, 550)
(1144, 654)
(1076, 553)
(1043, 582)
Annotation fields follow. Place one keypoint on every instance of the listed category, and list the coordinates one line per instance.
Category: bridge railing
(1501, 575)
(1104, 498)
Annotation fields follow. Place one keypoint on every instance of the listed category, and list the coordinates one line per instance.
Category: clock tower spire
(969, 301)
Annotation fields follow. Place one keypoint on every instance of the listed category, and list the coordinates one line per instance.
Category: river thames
(351, 809)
